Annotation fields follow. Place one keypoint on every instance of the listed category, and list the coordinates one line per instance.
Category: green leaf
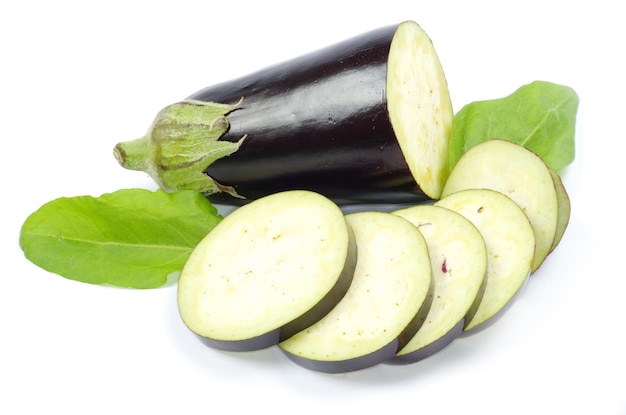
(130, 238)
(540, 116)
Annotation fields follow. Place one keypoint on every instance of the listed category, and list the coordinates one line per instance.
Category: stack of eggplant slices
(298, 149)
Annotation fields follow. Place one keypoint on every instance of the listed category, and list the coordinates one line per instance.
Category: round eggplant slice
(520, 174)
(458, 259)
(384, 306)
(267, 270)
(510, 243)
(360, 121)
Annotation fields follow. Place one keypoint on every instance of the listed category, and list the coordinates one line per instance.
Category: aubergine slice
(517, 172)
(385, 304)
(510, 242)
(458, 258)
(268, 270)
(564, 210)
(367, 120)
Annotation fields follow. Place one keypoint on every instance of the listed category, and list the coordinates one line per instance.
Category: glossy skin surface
(313, 121)
(430, 349)
(350, 365)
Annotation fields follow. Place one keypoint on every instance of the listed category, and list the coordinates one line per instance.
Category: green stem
(181, 143)
(134, 155)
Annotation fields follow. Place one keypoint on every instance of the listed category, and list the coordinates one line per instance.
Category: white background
(77, 77)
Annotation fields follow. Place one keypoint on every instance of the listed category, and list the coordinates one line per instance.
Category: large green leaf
(130, 238)
(540, 116)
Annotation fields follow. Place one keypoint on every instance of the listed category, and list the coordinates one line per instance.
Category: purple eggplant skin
(257, 343)
(351, 365)
(429, 350)
(318, 122)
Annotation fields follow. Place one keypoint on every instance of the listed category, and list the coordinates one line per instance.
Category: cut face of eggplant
(367, 120)
(459, 261)
(419, 107)
(510, 243)
(518, 173)
(384, 306)
(268, 270)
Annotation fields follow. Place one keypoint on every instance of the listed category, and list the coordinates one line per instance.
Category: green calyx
(181, 143)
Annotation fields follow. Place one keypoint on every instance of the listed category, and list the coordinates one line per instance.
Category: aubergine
(367, 120)
(519, 173)
(387, 301)
(510, 241)
(458, 256)
(563, 212)
(267, 271)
